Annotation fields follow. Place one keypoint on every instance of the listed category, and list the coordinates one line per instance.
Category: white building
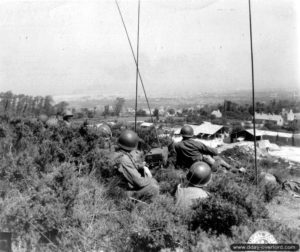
(146, 125)
(217, 113)
(276, 119)
(290, 116)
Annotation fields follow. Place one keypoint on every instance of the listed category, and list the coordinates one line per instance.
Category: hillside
(59, 192)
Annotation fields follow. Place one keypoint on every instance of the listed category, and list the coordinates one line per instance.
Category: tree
(48, 105)
(90, 114)
(171, 111)
(6, 101)
(141, 112)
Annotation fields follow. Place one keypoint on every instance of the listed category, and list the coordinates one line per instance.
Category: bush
(241, 194)
(217, 215)
(58, 182)
(169, 179)
(269, 191)
(156, 226)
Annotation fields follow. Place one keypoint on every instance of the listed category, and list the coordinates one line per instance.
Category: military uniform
(189, 151)
(138, 183)
(186, 197)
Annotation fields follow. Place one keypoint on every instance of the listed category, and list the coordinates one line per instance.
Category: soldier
(189, 151)
(43, 118)
(137, 177)
(52, 122)
(198, 177)
(67, 115)
(106, 134)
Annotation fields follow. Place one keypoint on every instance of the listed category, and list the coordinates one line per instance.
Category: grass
(60, 181)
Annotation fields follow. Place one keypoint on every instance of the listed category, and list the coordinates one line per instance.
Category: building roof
(275, 133)
(205, 128)
(257, 132)
(146, 124)
(269, 117)
(208, 128)
(269, 133)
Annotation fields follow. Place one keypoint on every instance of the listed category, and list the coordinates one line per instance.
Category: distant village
(277, 121)
(222, 123)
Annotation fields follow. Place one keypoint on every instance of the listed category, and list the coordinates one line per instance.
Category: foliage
(60, 192)
(217, 215)
(25, 105)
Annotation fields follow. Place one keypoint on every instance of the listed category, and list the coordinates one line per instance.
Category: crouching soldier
(189, 151)
(198, 177)
(106, 134)
(137, 177)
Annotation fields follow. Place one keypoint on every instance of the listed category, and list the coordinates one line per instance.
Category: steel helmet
(199, 174)
(128, 140)
(43, 118)
(67, 113)
(268, 178)
(105, 130)
(187, 131)
(52, 122)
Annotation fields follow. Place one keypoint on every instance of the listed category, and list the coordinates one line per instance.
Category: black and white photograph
(149, 125)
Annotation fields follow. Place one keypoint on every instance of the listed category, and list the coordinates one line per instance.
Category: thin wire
(129, 41)
(137, 65)
(253, 96)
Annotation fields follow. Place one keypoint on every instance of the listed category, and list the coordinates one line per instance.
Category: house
(206, 130)
(297, 120)
(271, 118)
(280, 138)
(245, 135)
(178, 111)
(290, 116)
(146, 125)
(217, 113)
(108, 109)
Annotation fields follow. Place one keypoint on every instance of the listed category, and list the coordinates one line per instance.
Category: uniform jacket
(189, 151)
(185, 197)
(130, 165)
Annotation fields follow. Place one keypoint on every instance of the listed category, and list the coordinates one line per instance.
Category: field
(59, 192)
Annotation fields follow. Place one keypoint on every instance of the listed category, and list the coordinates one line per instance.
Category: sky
(186, 47)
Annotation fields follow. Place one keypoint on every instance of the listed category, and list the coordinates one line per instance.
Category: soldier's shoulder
(195, 142)
(122, 157)
(116, 157)
(177, 144)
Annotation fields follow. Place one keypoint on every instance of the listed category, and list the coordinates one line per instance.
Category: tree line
(27, 105)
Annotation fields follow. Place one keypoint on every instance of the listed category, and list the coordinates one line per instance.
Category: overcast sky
(68, 47)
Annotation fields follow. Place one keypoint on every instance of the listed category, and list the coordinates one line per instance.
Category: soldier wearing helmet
(105, 132)
(43, 118)
(137, 177)
(198, 176)
(67, 115)
(189, 151)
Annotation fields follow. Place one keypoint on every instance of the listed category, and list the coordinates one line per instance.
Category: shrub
(268, 191)
(169, 179)
(58, 182)
(217, 215)
(239, 194)
(156, 226)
